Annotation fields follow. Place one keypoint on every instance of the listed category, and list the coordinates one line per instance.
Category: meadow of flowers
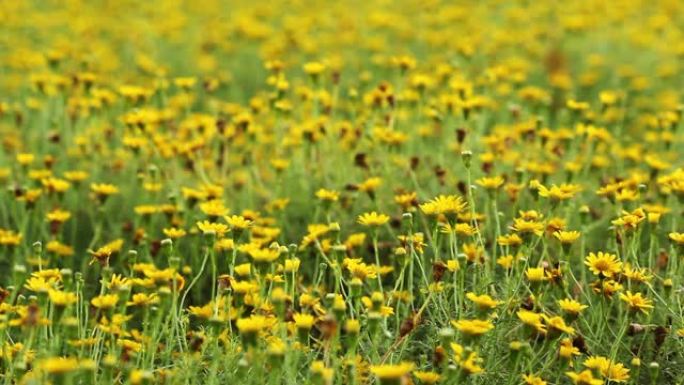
(350, 192)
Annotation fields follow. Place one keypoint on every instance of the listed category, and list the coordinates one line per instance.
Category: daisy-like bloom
(407, 201)
(630, 221)
(537, 274)
(104, 189)
(254, 324)
(56, 185)
(491, 183)
(304, 321)
(612, 371)
(637, 302)
(212, 228)
(373, 219)
(238, 222)
(101, 255)
(391, 374)
(174, 232)
(62, 298)
(327, 195)
(352, 326)
(636, 274)
(369, 186)
(607, 287)
(509, 240)
(118, 283)
(62, 365)
(566, 237)
(75, 176)
(474, 327)
(585, 377)
(106, 301)
(143, 299)
(567, 350)
(453, 265)
(506, 261)
(291, 265)
(533, 320)
(58, 216)
(213, 208)
(471, 364)
(604, 264)
(444, 205)
(40, 284)
(525, 227)
(559, 193)
(557, 324)
(321, 373)
(25, 159)
(314, 68)
(531, 379)
(264, 255)
(427, 377)
(677, 238)
(483, 301)
(139, 376)
(571, 306)
(10, 238)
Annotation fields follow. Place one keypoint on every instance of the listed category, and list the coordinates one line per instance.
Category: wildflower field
(350, 192)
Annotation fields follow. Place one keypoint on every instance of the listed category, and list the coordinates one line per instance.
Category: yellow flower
(352, 326)
(139, 376)
(174, 233)
(636, 302)
(264, 255)
(58, 216)
(566, 237)
(505, 261)
(314, 68)
(557, 323)
(537, 274)
(319, 369)
(531, 379)
(677, 238)
(571, 306)
(483, 301)
(612, 371)
(61, 298)
(584, 378)
(509, 240)
(106, 301)
(40, 284)
(104, 189)
(444, 205)
(471, 365)
(567, 350)
(491, 183)
(559, 193)
(304, 321)
(474, 327)
(603, 264)
(210, 227)
(143, 299)
(427, 377)
(373, 219)
(392, 372)
(254, 324)
(61, 365)
(327, 195)
(532, 319)
(238, 222)
(524, 226)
